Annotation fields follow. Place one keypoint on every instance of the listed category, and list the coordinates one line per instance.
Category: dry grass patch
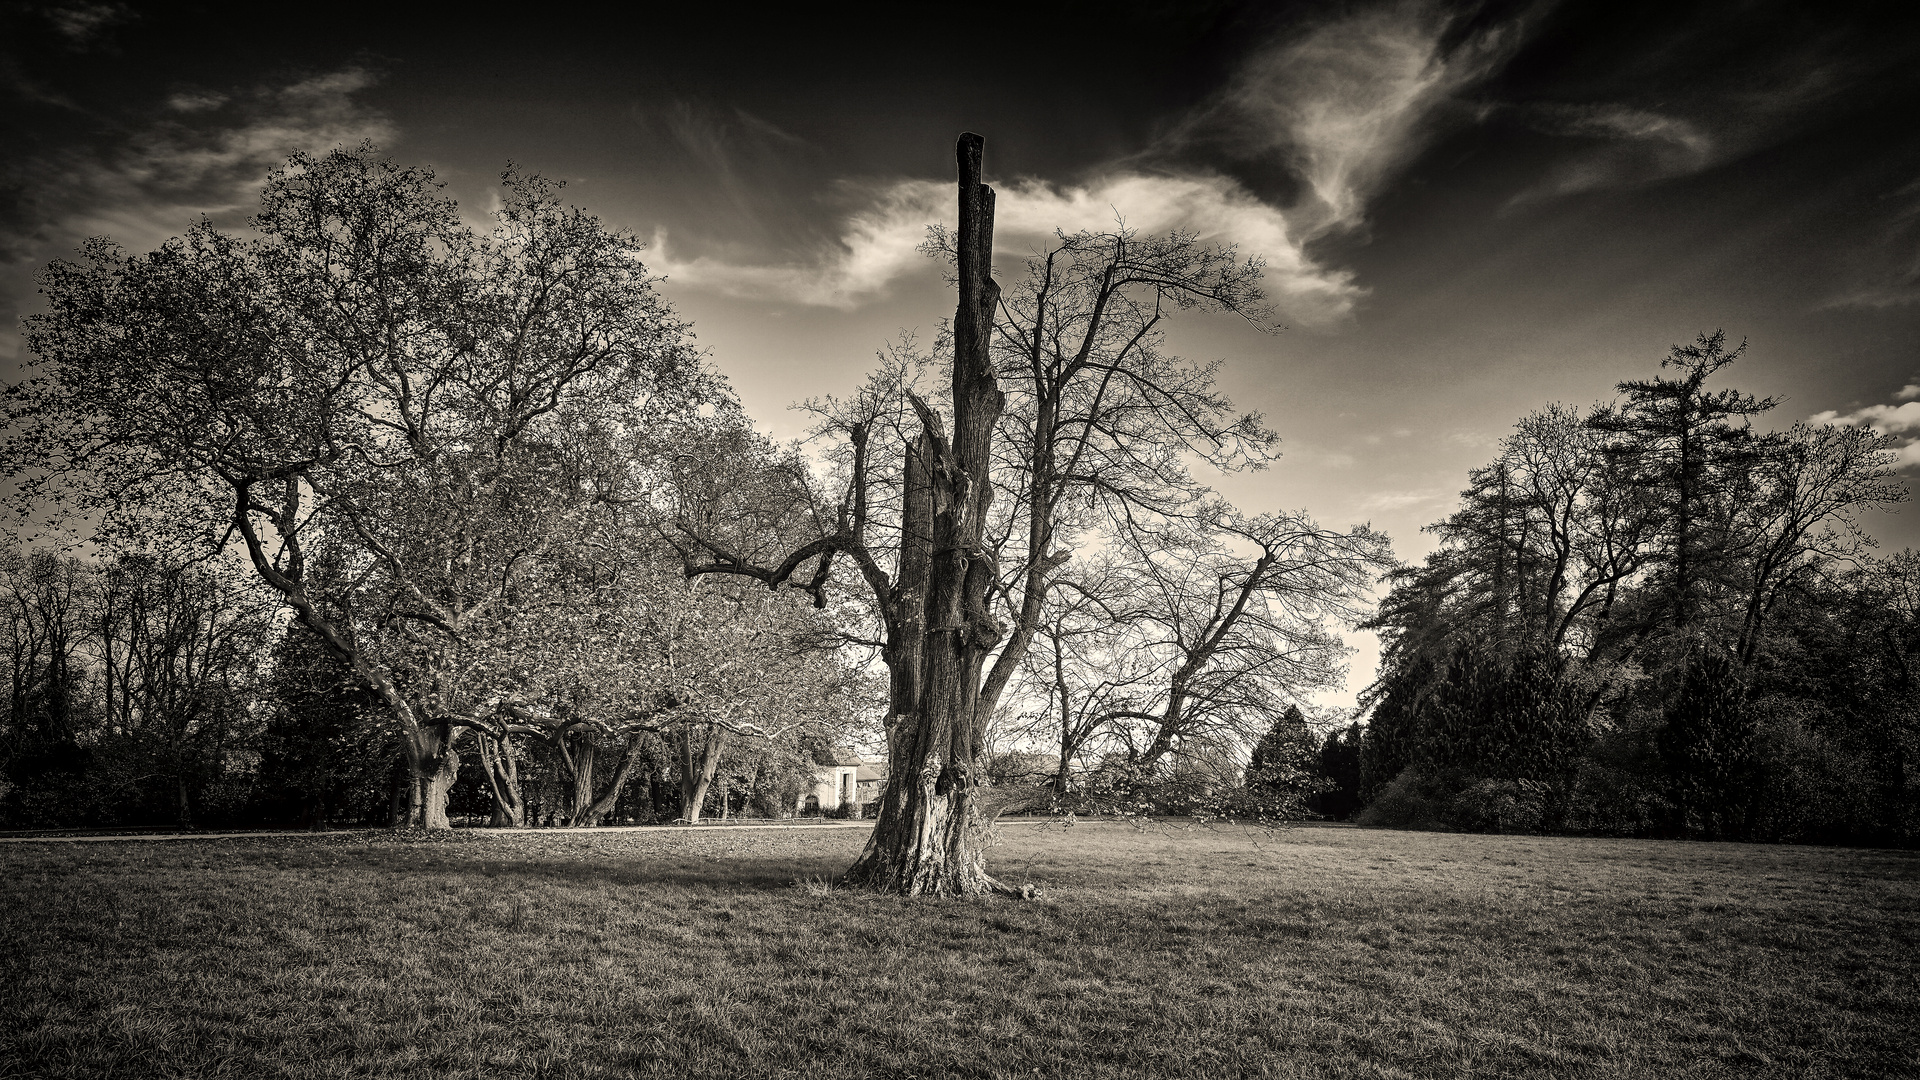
(1204, 952)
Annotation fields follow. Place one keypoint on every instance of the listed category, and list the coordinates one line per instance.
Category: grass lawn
(1156, 952)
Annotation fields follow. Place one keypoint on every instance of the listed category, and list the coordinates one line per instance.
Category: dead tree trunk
(938, 629)
(928, 837)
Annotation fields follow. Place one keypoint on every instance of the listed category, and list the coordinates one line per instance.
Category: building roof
(831, 756)
(873, 770)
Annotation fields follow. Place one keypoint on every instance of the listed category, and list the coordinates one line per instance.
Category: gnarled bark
(432, 765)
(928, 837)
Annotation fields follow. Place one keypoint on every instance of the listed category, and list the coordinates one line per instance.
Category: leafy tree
(1809, 488)
(1835, 706)
(611, 663)
(1546, 540)
(366, 371)
(1603, 568)
(753, 667)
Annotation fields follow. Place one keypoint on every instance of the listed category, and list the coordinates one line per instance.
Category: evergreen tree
(1340, 764)
(1683, 442)
(1388, 746)
(1521, 718)
(327, 746)
(1286, 754)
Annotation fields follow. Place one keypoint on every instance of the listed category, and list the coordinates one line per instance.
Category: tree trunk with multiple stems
(432, 765)
(503, 780)
(578, 759)
(699, 761)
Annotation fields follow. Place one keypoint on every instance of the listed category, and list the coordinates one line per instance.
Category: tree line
(148, 694)
(1651, 618)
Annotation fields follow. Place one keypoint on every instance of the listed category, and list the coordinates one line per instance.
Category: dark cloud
(198, 152)
(84, 25)
(1640, 94)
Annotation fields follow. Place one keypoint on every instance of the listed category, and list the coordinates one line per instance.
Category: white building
(835, 783)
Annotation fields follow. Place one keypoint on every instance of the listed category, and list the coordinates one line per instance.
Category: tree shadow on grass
(732, 874)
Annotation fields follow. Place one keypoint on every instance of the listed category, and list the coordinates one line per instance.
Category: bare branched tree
(958, 534)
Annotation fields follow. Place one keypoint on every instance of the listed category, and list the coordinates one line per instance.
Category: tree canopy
(1616, 630)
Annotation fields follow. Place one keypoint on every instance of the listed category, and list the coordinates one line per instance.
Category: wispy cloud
(205, 155)
(208, 156)
(1634, 147)
(877, 244)
(1473, 439)
(1406, 500)
(1888, 274)
(1340, 107)
(193, 101)
(1303, 454)
(1349, 103)
(1886, 419)
(1878, 297)
(741, 165)
(18, 84)
(1662, 129)
(82, 24)
(1900, 421)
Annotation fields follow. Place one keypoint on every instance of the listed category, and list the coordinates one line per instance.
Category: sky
(1467, 211)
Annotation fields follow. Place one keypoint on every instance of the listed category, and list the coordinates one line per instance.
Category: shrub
(1501, 806)
(1340, 764)
(1411, 800)
(1522, 717)
(1243, 803)
(1809, 788)
(1607, 801)
(1276, 794)
(1707, 743)
(768, 804)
